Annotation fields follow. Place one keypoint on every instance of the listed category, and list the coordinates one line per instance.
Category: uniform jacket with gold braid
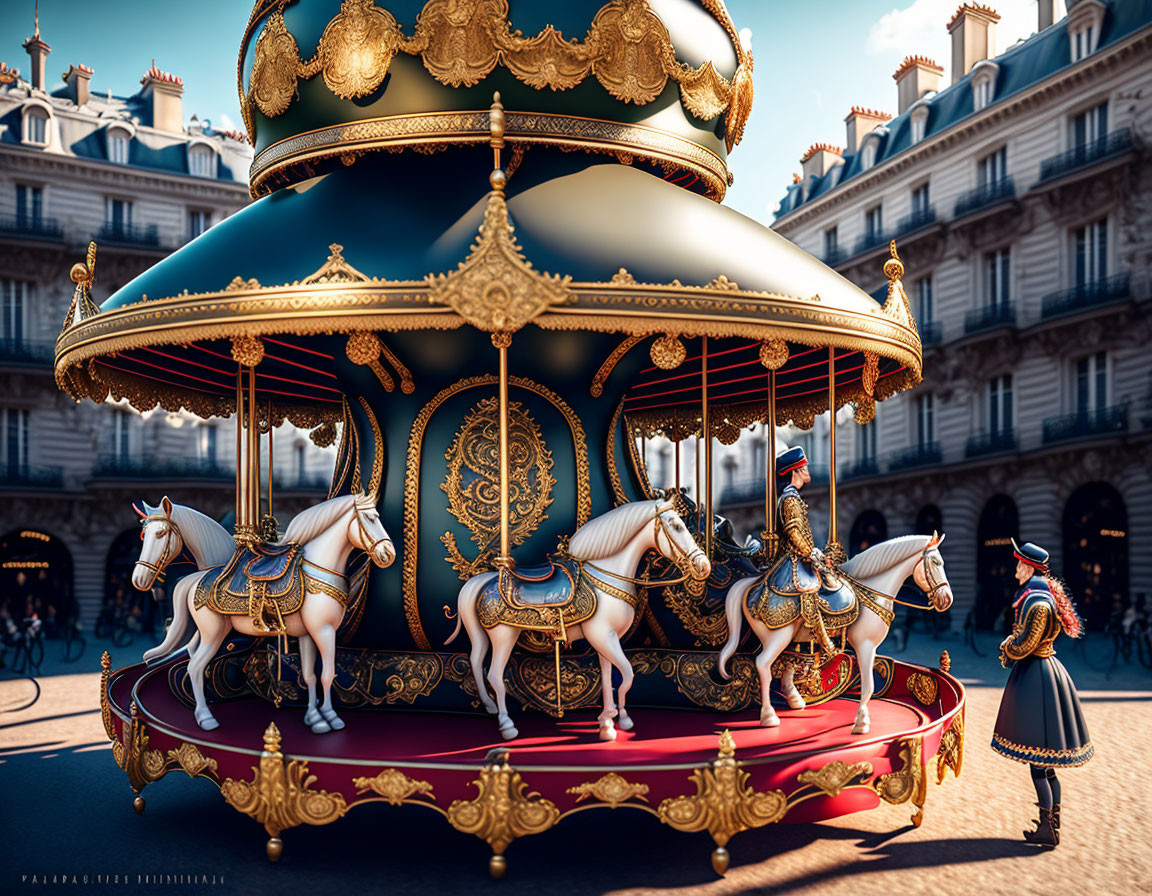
(1036, 627)
(794, 586)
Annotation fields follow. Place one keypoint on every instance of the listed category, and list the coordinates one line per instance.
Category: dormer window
(868, 155)
(1084, 23)
(118, 142)
(984, 83)
(201, 161)
(36, 127)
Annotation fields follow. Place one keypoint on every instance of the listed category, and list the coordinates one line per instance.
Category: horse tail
(455, 631)
(180, 615)
(734, 611)
(465, 603)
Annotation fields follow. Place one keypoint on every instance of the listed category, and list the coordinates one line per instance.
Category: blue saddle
(256, 577)
(550, 585)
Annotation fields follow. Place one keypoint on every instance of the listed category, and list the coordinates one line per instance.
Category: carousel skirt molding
(704, 771)
(1046, 757)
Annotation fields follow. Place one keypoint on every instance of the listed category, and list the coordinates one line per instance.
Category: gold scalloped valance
(627, 49)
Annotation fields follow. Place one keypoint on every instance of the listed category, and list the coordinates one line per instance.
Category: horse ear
(941, 539)
(167, 505)
(140, 512)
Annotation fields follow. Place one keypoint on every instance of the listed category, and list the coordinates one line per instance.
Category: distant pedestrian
(1040, 722)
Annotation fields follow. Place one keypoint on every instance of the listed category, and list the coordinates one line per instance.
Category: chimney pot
(916, 76)
(819, 159)
(78, 80)
(973, 31)
(1047, 14)
(860, 121)
(166, 92)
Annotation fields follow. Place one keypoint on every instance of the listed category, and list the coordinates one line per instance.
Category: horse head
(162, 543)
(679, 546)
(930, 576)
(366, 532)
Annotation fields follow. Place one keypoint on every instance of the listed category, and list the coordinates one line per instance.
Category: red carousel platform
(695, 770)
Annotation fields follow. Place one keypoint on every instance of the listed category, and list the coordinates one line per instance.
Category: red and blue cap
(1030, 553)
(791, 460)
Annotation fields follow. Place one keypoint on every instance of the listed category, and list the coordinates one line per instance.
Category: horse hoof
(608, 731)
(312, 716)
(321, 727)
(509, 733)
(330, 716)
(208, 723)
(861, 728)
(795, 701)
(772, 721)
(625, 723)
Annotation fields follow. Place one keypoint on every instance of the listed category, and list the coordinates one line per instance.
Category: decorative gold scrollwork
(472, 482)
(724, 804)
(685, 602)
(668, 352)
(835, 776)
(105, 706)
(395, 786)
(693, 674)
(141, 765)
(597, 387)
(194, 763)
(502, 810)
(923, 687)
(951, 752)
(280, 794)
(909, 782)
(611, 789)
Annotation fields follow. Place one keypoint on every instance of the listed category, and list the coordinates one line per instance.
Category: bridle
(369, 544)
(681, 558)
(168, 554)
(933, 586)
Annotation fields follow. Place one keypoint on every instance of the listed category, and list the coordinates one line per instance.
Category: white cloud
(921, 28)
(226, 122)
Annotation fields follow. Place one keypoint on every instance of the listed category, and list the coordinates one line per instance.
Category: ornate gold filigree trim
(951, 752)
(194, 763)
(377, 449)
(412, 480)
(695, 677)
(280, 794)
(611, 789)
(141, 765)
(627, 49)
(923, 687)
(617, 355)
(832, 778)
(908, 782)
(105, 705)
(394, 786)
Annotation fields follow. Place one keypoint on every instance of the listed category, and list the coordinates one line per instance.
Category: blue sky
(814, 60)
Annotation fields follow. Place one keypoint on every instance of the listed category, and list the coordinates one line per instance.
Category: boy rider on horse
(801, 570)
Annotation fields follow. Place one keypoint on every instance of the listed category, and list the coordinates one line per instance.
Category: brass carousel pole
(501, 340)
(706, 429)
(770, 483)
(241, 472)
(676, 450)
(270, 516)
(253, 494)
(832, 446)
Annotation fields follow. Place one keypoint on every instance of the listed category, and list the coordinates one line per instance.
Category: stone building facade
(1020, 197)
(131, 174)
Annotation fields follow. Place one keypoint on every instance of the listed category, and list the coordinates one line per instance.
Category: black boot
(1056, 821)
(1045, 833)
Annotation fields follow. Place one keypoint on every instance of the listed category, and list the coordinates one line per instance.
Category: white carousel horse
(165, 531)
(882, 570)
(609, 547)
(327, 532)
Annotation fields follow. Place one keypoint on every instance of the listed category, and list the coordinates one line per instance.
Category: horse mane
(307, 524)
(606, 534)
(883, 556)
(203, 535)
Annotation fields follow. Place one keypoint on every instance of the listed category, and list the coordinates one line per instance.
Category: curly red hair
(1069, 619)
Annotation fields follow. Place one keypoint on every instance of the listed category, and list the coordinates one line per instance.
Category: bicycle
(74, 642)
(29, 647)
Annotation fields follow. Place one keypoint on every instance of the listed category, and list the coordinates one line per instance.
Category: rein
(166, 556)
(680, 558)
(873, 593)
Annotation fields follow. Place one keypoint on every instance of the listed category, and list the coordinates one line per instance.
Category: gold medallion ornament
(668, 352)
(832, 778)
(908, 782)
(247, 351)
(611, 789)
(774, 353)
(950, 755)
(394, 786)
(923, 687)
(472, 482)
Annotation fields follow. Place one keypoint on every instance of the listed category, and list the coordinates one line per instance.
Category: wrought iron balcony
(130, 235)
(143, 467)
(922, 455)
(1110, 145)
(919, 218)
(834, 255)
(31, 227)
(860, 469)
(931, 333)
(1085, 424)
(985, 195)
(1002, 314)
(991, 443)
(1087, 295)
(870, 240)
(26, 353)
(25, 476)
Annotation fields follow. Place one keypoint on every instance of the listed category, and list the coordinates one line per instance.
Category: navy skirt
(1040, 720)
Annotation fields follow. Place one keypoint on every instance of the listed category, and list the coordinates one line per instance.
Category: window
(993, 168)
(873, 223)
(1000, 404)
(918, 125)
(15, 444)
(868, 155)
(1083, 42)
(924, 301)
(201, 161)
(1091, 383)
(925, 420)
(29, 206)
(997, 273)
(198, 222)
(1089, 126)
(36, 127)
(866, 442)
(831, 241)
(920, 200)
(14, 296)
(118, 214)
(118, 140)
(1091, 252)
(120, 434)
(300, 462)
(208, 442)
(759, 458)
(981, 94)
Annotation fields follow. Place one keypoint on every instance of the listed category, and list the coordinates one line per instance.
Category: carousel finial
(893, 267)
(496, 139)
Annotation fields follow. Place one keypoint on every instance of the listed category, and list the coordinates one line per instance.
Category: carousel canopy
(402, 236)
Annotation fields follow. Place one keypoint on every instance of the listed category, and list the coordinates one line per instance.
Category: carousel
(487, 259)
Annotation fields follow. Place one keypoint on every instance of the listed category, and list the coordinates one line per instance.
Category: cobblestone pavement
(67, 811)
